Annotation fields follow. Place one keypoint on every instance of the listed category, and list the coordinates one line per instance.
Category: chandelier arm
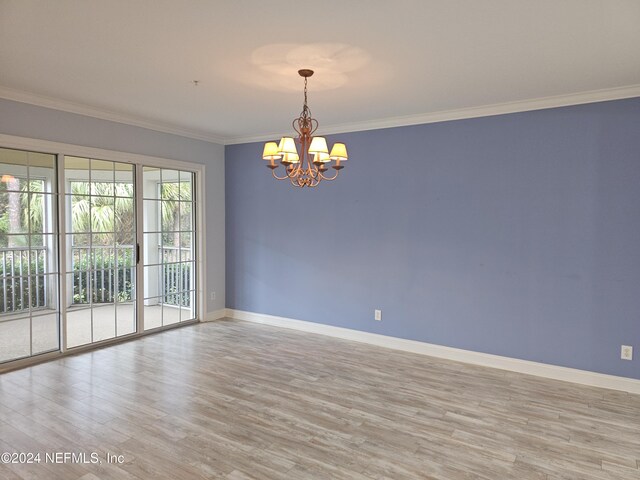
(293, 173)
(312, 170)
(273, 172)
(330, 178)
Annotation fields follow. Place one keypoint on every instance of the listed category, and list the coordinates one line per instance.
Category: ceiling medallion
(302, 170)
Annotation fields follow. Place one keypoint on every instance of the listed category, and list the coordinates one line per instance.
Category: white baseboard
(215, 315)
(555, 372)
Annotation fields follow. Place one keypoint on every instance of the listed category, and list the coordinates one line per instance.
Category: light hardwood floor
(236, 400)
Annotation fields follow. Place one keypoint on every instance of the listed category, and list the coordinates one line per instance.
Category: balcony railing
(176, 277)
(100, 274)
(24, 282)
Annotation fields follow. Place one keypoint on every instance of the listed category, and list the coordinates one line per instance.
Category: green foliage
(109, 274)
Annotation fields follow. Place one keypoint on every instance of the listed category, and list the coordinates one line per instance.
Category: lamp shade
(339, 152)
(321, 157)
(318, 145)
(270, 151)
(287, 145)
(290, 158)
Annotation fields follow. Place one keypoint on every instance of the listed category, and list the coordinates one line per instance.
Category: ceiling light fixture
(302, 170)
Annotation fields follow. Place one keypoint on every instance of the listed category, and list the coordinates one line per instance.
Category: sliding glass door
(169, 234)
(29, 314)
(100, 250)
(92, 250)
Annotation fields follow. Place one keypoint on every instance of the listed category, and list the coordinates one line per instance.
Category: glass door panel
(100, 250)
(29, 313)
(168, 241)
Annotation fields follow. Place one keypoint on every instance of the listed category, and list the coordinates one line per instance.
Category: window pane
(126, 320)
(44, 292)
(170, 254)
(124, 180)
(78, 326)
(13, 169)
(186, 185)
(170, 216)
(103, 285)
(102, 240)
(126, 284)
(37, 212)
(187, 306)
(152, 281)
(76, 169)
(151, 249)
(39, 162)
(15, 338)
(150, 180)
(79, 288)
(102, 214)
(124, 215)
(80, 215)
(186, 216)
(102, 178)
(186, 252)
(104, 322)
(152, 212)
(186, 272)
(45, 332)
(79, 188)
(171, 310)
(171, 280)
(14, 212)
(28, 253)
(152, 313)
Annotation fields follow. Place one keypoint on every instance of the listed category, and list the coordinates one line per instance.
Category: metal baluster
(44, 283)
(110, 295)
(13, 281)
(87, 279)
(95, 280)
(20, 282)
(79, 273)
(102, 272)
(116, 279)
(37, 255)
(4, 282)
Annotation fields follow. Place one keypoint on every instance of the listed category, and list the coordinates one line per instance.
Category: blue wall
(517, 235)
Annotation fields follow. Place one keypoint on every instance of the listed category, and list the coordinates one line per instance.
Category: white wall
(31, 121)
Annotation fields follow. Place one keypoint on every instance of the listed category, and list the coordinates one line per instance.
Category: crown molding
(104, 114)
(463, 113)
(592, 96)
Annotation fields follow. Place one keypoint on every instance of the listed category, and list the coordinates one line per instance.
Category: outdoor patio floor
(16, 330)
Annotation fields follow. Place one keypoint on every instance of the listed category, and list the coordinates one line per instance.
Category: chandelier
(308, 168)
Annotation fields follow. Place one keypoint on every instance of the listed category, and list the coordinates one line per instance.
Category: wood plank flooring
(235, 400)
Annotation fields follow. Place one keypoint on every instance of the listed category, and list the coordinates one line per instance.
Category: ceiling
(377, 62)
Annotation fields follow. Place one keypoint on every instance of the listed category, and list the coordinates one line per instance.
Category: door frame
(62, 149)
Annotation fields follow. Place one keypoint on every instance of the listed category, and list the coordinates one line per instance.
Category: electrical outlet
(626, 352)
(213, 296)
(377, 315)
